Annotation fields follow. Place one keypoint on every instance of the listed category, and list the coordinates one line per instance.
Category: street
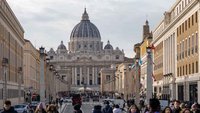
(86, 107)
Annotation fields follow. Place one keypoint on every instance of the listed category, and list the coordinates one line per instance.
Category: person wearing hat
(77, 108)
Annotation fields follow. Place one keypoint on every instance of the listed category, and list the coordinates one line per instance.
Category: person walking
(117, 109)
(7, 108)
(77, 108)
(41, 108)
(52, 109)
(97, 109)
(107, 108)
(167, 110)
(154, 106)
(177, 108)
(133, 109)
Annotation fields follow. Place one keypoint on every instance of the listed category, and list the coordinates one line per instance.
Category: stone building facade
(31, 68)
(11, 48)
(177, 40)
(81, 63)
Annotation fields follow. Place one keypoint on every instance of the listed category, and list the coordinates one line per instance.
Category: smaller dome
(51, 51)
(61, 46)
(108, 46)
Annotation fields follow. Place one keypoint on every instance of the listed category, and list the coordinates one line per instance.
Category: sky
(48, 22)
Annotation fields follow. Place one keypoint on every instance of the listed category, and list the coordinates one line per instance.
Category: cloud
(47, 22)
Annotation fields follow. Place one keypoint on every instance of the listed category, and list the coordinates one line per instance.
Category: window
(189, 22)
(185, 25)
(178, 72)
(78, 82)
(177, 32)
(90, 75)
(186, 47)
(180, 29)
(90, 46)
(51, 57)
(107, 77)
(182, 50)
(189, 69)
(183, 71)
(77, 57)
(192, 68)
(186, 69)
(197, 67)
(189, 46)
(192, 19)
(78, 75)
(179, 8)
(177, 52)
(196, 47)
(90, 82)
(196, 17)
(117, 57)
(182, 4)
(79, 46)
(192, 44)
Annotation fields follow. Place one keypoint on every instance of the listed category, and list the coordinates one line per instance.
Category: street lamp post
(42, 81)
(5, 65)
(20, 82)
(149, 82)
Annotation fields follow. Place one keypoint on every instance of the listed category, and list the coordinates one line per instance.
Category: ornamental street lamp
(42, 81)
(149, 81)
(5, 65)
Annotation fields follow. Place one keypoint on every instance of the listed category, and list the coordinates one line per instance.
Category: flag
(140, 62)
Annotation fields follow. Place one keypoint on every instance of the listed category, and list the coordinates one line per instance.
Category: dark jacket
(107, 109)
(11, 110)
(176, 110)
(78, 111)
(97, 109)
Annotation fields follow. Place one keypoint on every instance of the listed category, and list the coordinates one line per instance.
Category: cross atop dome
(85, 15)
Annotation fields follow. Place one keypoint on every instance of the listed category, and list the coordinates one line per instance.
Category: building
(11, 56)
(81, 63)
(31, 69)
(124, 82)
(176, 57)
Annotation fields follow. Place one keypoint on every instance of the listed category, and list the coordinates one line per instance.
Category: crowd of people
(41, 108)
(153, 107)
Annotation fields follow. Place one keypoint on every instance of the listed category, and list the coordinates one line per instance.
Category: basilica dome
(85, 29)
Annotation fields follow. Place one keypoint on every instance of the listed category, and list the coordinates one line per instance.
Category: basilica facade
(81, 63)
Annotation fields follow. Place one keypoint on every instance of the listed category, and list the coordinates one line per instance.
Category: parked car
(22, 108)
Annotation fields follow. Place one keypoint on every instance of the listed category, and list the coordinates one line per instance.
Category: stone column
(97, 75)
(88, 75)
(75, 76)
(81, 75)
(93, 76)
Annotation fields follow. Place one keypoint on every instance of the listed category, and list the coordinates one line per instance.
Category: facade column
(88, 76)
(81, 76)
(97, 75)
(93, 73)
(75, 76)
